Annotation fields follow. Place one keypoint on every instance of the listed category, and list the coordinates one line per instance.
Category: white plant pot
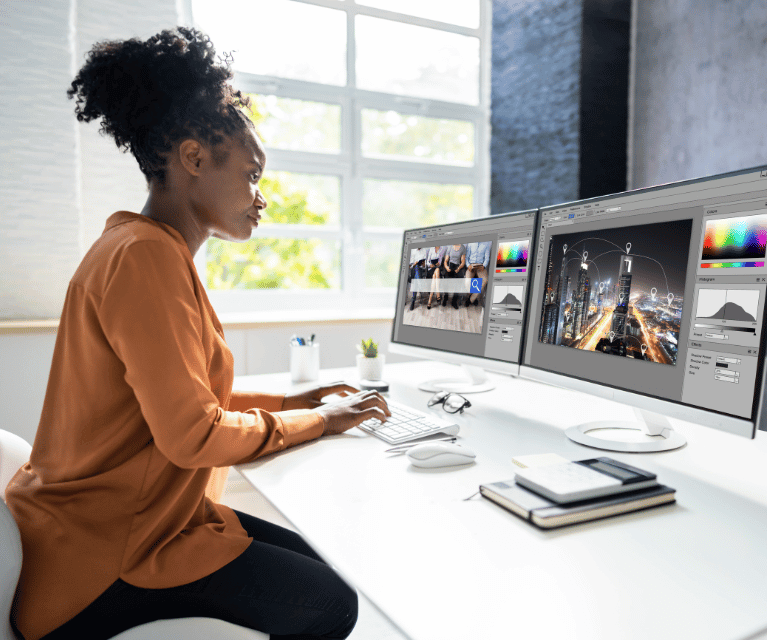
(370, 368)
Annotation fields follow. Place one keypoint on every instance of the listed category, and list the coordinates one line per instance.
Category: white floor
(240, 495)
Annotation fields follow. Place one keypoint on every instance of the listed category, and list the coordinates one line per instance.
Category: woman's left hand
(312, 398)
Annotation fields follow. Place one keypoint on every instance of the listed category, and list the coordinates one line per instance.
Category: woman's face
(228, 202)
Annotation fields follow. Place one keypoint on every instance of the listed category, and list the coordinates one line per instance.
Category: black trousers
(278, 585)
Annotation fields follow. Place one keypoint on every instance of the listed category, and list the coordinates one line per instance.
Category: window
(374, 114)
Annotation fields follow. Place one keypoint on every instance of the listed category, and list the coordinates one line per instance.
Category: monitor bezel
(676, 408)
(453, 357)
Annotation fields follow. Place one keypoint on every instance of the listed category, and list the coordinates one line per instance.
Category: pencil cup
(304, 362)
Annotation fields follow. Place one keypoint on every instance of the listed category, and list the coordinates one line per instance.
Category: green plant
(369, 349)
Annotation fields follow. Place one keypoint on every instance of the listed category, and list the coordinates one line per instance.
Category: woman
(417, 268)
(433, 264)
(117, 529)
(455, 267)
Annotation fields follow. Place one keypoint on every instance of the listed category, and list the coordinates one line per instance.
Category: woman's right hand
(352, 410)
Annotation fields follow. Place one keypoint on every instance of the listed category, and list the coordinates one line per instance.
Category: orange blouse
(138, 411)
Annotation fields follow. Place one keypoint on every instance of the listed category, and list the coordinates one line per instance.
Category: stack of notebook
(548, 513)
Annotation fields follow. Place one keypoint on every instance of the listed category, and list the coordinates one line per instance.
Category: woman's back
(117, 471)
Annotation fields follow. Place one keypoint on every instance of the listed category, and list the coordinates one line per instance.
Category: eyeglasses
(451, 402)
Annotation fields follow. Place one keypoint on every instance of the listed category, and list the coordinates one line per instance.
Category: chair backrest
(14, 452)
(10, 568)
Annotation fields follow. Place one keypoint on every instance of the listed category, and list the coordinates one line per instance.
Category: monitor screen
(463, 287)
(658, 292)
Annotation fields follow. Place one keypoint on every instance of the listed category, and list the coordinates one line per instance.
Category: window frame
(353, 169)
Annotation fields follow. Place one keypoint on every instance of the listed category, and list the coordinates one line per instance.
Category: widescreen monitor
(462, 296)
(655, 298)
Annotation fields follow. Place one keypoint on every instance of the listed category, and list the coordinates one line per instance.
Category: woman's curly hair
(152, 93)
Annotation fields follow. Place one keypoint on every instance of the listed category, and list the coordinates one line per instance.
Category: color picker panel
(512, 254)
(735, 239)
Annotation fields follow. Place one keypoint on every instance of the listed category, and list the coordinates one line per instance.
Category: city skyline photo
(618, 291)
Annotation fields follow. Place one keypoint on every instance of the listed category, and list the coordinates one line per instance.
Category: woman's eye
(254, 177)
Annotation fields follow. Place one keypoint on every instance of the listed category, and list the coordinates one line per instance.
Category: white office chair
(14, 452)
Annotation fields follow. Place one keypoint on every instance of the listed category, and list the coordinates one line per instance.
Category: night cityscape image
(618, 291)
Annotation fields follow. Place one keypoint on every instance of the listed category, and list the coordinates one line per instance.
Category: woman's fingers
(353, 410)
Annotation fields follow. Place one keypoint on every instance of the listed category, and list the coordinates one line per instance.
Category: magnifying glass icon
(476, 285)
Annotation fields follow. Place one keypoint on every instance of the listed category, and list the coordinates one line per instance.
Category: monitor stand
(476, 381)
(652, 432)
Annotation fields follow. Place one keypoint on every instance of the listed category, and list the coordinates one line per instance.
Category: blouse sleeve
(150, 315)
(244, 400)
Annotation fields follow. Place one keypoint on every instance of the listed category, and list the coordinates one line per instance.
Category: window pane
(274, 263)
(388, 134)
(461, 12)
(300, 198)
(425, 62)
(300, 125)
(404, 204)
(278, 37)
(381, 263)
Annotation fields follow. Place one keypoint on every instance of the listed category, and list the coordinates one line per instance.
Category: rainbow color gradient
(512, 254)
(726, 265)
(735, 239)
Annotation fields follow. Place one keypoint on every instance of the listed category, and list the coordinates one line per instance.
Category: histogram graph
(740, 305)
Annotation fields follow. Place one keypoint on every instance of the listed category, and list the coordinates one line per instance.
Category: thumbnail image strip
(741, 238)
(618, 291)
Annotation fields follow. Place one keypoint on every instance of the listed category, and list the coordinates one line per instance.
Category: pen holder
(304, 362)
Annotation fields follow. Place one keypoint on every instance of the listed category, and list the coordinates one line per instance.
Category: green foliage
(405, 204)
(368, 348)
(410, 137)
(300, 125)
(381, 263)
(270, 263)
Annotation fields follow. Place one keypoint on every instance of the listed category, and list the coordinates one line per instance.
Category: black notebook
(546, 514)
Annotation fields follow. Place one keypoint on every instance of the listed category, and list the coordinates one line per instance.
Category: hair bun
(149, 93)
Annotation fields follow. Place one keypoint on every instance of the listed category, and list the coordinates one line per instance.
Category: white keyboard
(407, 424)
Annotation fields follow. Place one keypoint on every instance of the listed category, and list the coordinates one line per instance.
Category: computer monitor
(655, 298)
(462, 296)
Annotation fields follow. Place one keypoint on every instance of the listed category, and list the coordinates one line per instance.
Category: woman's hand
(312, 398)
(352, 410)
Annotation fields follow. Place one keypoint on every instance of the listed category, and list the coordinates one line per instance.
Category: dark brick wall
(535, 103)
(559, 101)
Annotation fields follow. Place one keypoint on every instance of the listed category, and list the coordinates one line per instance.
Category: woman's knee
(348, 618)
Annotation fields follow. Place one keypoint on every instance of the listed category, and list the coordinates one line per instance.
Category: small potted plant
(369, 362)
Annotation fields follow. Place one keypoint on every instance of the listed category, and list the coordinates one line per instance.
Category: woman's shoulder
(125, 236)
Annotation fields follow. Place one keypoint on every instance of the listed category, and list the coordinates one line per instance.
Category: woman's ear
(191, 154)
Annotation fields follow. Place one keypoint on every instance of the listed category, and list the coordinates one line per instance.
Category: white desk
(442, 568)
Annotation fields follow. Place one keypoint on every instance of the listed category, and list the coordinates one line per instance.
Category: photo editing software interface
(463, 286)
(659, 292)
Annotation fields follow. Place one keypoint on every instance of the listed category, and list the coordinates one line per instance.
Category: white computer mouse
(439, 454)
